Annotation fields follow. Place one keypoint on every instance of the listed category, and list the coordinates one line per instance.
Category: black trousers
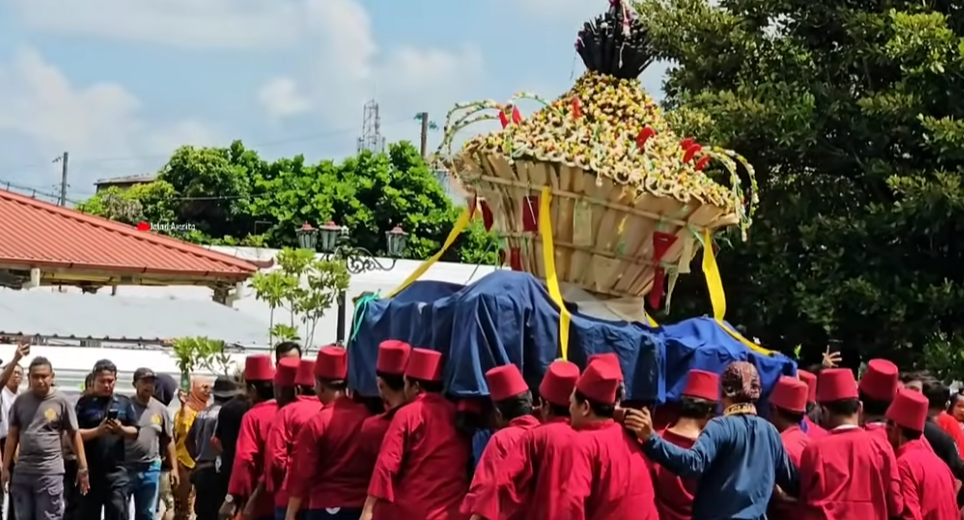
(3, 496)
(210, 488)
(71, 491)
(107, 496)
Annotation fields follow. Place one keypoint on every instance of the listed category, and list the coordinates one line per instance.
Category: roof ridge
(131, 231)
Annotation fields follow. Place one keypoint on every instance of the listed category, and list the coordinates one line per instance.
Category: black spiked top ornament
(616, 43)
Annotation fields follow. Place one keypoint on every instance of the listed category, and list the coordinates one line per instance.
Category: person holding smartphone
(106, 420)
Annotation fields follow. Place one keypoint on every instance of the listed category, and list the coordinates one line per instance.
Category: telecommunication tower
(371, 138)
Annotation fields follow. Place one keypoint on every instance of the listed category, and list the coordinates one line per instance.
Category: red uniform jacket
(325, 469)
(422, 467)
(372, 433)
(487, 470)
(532, 477)
(851, 474)
(814, 430)
(953, 428)
(674, 494)
(794, 441)
(281, 441)
(610, 475)
(926, 483)
(248, 466)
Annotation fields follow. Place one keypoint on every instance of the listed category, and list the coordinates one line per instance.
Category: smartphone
(112, 415)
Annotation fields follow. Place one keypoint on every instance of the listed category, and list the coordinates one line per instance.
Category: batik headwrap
(741, 382)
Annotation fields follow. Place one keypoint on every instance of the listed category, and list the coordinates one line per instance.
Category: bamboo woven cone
(618, 174)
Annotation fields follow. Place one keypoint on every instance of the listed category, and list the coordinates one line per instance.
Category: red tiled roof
(40, 234)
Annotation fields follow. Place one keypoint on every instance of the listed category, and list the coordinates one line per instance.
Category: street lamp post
(331, 239)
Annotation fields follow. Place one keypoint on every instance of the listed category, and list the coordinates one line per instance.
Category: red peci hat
(790, 394)
(558, 383)
(811, 380)
(908, 410)
(284, 374)
(504, 382)
(607, 357)
(836, 384)
(599, 382)
(258, 368)
(392, 357)
(332, 363)
(880, 380)
(702, 385)
(306, 373)
(425, 365)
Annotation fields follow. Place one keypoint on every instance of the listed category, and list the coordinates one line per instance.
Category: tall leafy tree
(848, 111)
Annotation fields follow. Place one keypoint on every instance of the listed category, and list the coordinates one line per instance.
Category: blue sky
(121, 84)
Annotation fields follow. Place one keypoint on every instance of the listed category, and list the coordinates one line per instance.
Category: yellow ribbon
(718, 298)
(460, 225)
(552, 279)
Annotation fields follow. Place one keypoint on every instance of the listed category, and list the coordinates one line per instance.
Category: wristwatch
(228, 499)
(82, 471)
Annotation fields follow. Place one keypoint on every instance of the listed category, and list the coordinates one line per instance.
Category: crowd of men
(291, 442)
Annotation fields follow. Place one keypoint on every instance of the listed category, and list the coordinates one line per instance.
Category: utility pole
(63, 177)
(424, 147)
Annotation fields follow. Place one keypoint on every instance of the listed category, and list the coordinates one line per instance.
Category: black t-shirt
(229, 428)
(106, 453)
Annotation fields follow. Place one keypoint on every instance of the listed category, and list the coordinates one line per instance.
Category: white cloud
(101, 120)
(281, 97)
(348, 67)
(217, 24)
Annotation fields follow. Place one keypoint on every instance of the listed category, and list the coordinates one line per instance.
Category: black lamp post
(331, 240)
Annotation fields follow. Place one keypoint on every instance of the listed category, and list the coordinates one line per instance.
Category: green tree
(848, 112)
(305, 286)
(233, 197)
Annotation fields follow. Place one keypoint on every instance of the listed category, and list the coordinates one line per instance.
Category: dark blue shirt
(105, 453)
(736, 462)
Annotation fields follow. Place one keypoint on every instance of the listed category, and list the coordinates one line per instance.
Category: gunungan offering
(630, 199)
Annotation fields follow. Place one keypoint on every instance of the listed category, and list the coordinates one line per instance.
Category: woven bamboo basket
(620, 179)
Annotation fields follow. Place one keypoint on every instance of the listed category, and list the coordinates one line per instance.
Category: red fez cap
(284, 375)
(599, 382)
(608, 357)
(702, 385)
(258, 368)
(880, 380)
(505, 382)
(908, 410)
(836, 384)
(332, 363)
(392, 357)
(811, 380)
(306, 373)
(425, 365)
(790, 394)
(557, 384)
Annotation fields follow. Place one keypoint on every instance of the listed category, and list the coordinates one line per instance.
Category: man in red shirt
(851, 474)
(698, 403)
(813, 429)
(927, 485)
(325, 471)
(788, 406)
(513, 407)
(422, 467)
(877, 389)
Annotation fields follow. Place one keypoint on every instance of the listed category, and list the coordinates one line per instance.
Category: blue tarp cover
(508, 317)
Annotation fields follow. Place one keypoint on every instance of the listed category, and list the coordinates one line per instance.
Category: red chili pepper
(644, 136)
(686, 143)
(504, 119)
(690, 152)
(700, 164)
(576, 108)
(516, 115)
